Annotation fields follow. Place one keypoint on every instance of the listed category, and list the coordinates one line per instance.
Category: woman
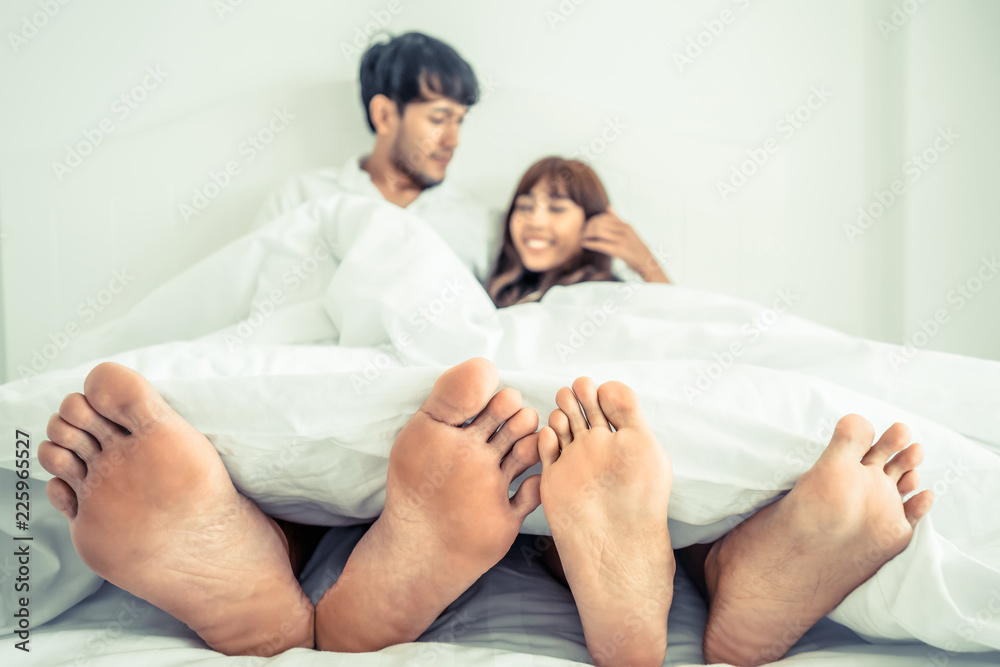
(560, 229)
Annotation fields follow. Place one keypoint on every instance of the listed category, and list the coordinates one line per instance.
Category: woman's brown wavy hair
(510, 282)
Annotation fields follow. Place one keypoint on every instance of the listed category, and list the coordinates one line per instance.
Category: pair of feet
(152, 509)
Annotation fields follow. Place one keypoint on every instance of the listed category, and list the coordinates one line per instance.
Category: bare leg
(605, 495)
(448, 514)
(151, 509)
(772, 577)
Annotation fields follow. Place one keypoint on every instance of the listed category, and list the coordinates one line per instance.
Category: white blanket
(743, 398)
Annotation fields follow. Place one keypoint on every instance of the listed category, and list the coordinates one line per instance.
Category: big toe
(851, 438)
(123, 396)
(460, 393)
(620, 405)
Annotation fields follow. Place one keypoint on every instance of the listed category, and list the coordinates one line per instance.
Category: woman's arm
(609, 234)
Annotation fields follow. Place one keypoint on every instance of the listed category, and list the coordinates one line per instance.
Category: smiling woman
(560, 229)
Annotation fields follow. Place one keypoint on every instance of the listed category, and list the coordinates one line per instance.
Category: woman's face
(546, 229)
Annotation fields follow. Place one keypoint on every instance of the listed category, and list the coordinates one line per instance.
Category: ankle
(389, 593)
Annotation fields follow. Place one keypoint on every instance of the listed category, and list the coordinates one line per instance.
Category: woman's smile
(537, 243)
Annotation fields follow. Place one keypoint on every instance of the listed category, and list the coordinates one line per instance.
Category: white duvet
(336, 319)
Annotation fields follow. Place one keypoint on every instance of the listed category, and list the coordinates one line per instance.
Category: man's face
(427, 138)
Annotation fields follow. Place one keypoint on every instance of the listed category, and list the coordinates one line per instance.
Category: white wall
(556, 86)
(953, 211)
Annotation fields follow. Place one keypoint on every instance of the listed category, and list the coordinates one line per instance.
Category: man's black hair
(397, 69)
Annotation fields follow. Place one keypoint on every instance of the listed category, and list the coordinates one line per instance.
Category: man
(416, 91)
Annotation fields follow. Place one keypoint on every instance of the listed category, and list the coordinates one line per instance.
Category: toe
(62, 463)
(586, 393)
(918, 506)
(524, 455)
(908, 483)
(70, 437)
(62, 497)
(502, 407)
(559, 422)
(621, 405)
(894, 440)
(851, 438)
(523, 423)
(566, 400)
(77, 411)
(527, 498)
(904, 461)
(460, 393)
(548, 447)
(123, 397)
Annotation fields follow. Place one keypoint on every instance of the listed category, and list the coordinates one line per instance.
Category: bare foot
(775, 575)
(151, 509)
(605, 495)
(448, 516)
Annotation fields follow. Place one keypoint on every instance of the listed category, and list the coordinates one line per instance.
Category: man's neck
(394, 186)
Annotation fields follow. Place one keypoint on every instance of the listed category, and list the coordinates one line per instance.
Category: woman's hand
(609, 234)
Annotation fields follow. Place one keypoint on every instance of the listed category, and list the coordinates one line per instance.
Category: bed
(303, 437)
